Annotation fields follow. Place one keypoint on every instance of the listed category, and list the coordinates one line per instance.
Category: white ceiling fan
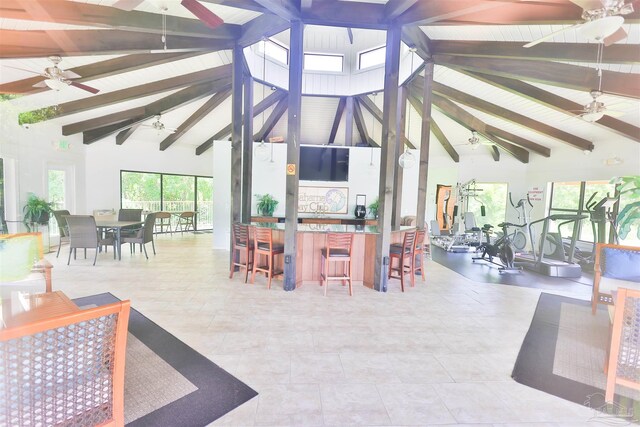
(595, 110)
(158, 126)
(602, 21)
(474, 141)
(56, 78)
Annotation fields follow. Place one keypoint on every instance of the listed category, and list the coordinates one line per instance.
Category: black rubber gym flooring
(488, 273)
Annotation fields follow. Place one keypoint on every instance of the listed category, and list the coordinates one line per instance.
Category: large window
(155, 192)
(493, 196)
(371, 58)
(274, 51)
(323, 62)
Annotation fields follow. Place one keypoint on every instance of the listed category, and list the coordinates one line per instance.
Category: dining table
(117, 226)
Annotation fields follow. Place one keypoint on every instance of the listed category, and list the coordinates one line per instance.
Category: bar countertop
(331, 228)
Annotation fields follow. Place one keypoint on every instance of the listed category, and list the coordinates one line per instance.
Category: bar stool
(241, 244)
(404, 254)
(338, 250)
(418, 253)
(263, 245)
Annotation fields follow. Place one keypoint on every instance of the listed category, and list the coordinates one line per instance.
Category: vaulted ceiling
(521, 101)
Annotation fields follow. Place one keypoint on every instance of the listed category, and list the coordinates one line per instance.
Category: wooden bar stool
(404, 254)
(338, 250)
(263, 245)
(418, 253)
(242, 243)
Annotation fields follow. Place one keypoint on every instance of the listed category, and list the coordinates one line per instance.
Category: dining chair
(185, 221)
(263, 245)
(242, 245)
(129, 214)
(163, 220)
(142, 235)
(83, 234)
(338, 249)
(62, 227)
(66, 370)
(404, 255)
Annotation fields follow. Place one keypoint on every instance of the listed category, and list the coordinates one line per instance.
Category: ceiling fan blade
(84, 87)
(23, 69)
(588, 4)
(70, 75)
(620, 34)
(551, 35)
(614, 113)
(210, 19)
(40, 84)
(127, 5)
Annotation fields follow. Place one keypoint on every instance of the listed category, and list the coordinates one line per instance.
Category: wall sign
(323, 200)
(291, 169)
(535, 194)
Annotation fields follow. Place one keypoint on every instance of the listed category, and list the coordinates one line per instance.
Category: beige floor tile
(289, 405)
(368, 368)
(267, 368)
(414, 404)
(353, 404)
(475, 402)
(317, 368)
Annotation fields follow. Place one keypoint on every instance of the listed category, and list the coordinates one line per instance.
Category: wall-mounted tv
(324, 163)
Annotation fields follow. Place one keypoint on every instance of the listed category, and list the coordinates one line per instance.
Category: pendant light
(261, 152)
(407, 159)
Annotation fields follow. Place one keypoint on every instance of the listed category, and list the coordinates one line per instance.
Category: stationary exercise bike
(501, 248)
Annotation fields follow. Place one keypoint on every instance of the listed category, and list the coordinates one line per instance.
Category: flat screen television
(324, 164)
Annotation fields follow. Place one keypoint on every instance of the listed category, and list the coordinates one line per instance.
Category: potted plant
(629, 215)
(373, 208)
(36, 211)
(266, 204)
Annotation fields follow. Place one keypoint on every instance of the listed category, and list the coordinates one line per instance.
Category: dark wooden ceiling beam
(495, 153)
(272, 120)
(376, 112)
(437, 131)
(202, 112)
(575, 52)
(213, 76)
(337, 119)
(395, 8)
(123, 135)
(74, 13)
(487, 12)
(38, 44)
(552, 73)
(361, 125)
(556, 102)
(414, 37)
(102, 69)
(102, 121)
(469, 121)
(346, 14)
(286, 9)
(239, 4)
(265, 25)
(258, 109)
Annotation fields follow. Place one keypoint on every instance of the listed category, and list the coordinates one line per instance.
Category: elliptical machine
(601, 213)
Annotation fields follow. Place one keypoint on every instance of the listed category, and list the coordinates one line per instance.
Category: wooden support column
(247, 149)
(398, 176)
(236, 134)
(348, 123)
(387, 157)
(293, 153)
(425, 136)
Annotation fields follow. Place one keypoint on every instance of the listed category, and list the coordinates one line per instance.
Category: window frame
(279, 45)
(364, 52)
(320, 54)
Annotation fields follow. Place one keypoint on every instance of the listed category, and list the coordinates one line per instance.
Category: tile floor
(439, 354)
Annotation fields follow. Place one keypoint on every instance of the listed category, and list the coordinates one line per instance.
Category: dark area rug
(564, 353)
(167, 383)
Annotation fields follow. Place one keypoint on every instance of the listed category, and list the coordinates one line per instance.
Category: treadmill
(548, 266)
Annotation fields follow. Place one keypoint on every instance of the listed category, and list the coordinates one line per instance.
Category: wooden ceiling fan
(200, 11)
(602, 21)
(56, 78)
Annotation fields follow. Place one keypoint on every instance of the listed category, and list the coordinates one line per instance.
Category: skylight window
(371, 58)
(323, 62)
(274, 51)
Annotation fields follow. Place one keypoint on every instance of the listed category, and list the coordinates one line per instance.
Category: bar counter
(313, 237)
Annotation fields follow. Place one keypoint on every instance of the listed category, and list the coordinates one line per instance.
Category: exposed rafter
(264, 25)
(361, 125)
(123, 135)
(395, 8)
(272, 120)
(414, 37)
(240, 4)
(336, 121)
(211, 104)
(346, 14)
(372, 108)
(286, 9)
(552, 73)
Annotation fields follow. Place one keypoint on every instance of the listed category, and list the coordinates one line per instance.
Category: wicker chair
(65, 370)
(129, 214)
(18, 271)
(624, 355)
(143, 235)
(62, 227)
(83, 234)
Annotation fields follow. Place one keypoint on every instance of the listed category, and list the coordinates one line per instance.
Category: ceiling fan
(595, 110)
(56, 78)
(158, 126)
(475, 141)
(200, 11)
(602, 21)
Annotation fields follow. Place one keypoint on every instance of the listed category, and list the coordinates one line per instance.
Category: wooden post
(387, 157)
(396, 213)
(424, 145)
(236, 134)
(293, 154)
(348, 123)
(247, 149)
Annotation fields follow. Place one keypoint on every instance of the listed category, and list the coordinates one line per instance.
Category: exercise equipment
(601, 213)
(501, 248)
